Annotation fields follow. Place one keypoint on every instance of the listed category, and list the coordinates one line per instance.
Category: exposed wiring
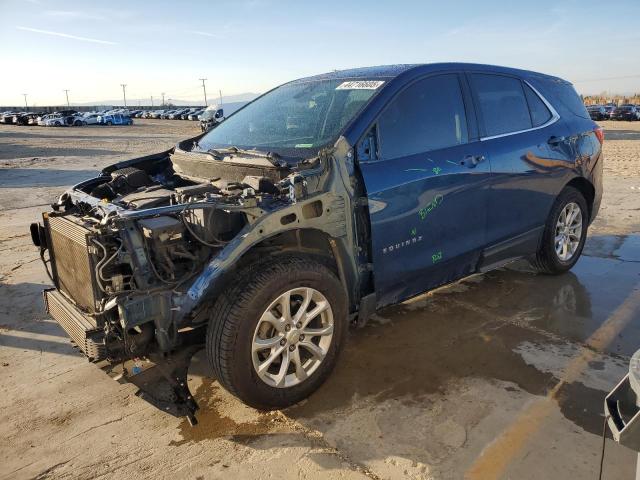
(604, 443)
(220, 243)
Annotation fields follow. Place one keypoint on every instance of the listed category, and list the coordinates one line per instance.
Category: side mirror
(219, 113)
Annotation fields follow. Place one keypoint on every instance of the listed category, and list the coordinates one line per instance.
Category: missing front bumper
(161, 378)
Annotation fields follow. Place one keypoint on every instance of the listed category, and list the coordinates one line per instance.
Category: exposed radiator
(82, 329)
(73, 261)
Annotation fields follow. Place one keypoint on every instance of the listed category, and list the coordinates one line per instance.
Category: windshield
(294, 119)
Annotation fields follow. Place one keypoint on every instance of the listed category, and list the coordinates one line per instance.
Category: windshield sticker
(360, 85)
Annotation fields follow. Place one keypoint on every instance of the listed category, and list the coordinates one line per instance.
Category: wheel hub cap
(292, 337)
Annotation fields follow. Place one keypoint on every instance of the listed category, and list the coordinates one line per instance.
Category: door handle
(472, 161)
(556, 140)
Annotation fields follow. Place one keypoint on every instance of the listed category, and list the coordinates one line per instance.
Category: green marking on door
(436, 257)
(424, 212)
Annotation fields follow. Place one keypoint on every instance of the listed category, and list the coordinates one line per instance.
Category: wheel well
(305, 241)
(585, 187)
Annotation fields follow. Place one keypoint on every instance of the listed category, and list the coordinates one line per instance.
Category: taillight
(599, 131)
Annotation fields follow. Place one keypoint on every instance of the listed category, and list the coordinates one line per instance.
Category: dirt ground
(502, 375)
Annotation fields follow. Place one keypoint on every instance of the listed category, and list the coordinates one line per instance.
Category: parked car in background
(7, 117)
(156, 113)
(185, 115)
(195, 115)
(597, 112)
(114, 119)
(24, 118)
(319, 202)
(625, 112)
(609, 109)
(212, 116)
(53, 120)
(177, 114)
(89, 118)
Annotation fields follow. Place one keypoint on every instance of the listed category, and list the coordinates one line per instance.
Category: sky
(240, 46)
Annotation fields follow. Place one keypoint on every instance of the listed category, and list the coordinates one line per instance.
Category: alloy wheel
(568, 231)
(292, 337)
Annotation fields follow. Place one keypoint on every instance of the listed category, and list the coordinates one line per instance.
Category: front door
(427, 187)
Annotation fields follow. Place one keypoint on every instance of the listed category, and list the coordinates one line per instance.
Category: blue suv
(305, 211)
(115, 119)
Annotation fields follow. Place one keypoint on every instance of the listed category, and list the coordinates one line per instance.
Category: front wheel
(275, 334)
(564, 234)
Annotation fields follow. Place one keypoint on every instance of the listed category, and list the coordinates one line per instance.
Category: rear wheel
(564, 234)
(275, 334)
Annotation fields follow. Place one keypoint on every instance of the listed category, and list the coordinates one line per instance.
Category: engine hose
(195, 235)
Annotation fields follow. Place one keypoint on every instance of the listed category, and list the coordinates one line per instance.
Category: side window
(540, 114)
(427, 115)
(502, 103)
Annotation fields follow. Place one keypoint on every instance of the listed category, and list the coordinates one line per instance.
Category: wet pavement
(407, 384)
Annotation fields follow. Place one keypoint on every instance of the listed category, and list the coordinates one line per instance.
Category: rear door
(517, 127)
(427, 182)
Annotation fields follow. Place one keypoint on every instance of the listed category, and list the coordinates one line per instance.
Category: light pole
(26, 107)
(124, 93)
(66, 92)
(220, 98)
(204, 88)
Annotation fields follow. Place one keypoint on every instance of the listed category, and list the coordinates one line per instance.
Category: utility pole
(162, 98)
(204, 88)
(26, 107)
(124, 93)
(151, 101)
(66, 92)
(220, 98)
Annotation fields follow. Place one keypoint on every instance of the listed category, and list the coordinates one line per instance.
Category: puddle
(511, 326)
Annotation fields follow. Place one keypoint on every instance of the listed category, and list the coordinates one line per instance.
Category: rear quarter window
(502, 103)
(540, 114)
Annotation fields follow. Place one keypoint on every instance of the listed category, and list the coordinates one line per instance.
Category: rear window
(502, 103)
(566, 94)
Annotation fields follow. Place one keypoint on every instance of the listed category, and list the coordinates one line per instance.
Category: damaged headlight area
(123, 250)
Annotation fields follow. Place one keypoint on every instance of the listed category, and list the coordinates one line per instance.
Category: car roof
(392, 71)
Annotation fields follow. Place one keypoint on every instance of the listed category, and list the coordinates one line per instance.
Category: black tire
(237, 312)
(547, 260)
(109, 123)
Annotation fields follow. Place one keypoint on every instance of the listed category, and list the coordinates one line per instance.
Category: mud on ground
(499, 376)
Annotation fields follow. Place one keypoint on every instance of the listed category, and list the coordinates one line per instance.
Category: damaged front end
(138, 253)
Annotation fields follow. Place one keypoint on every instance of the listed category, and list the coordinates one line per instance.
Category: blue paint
(494, 190)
